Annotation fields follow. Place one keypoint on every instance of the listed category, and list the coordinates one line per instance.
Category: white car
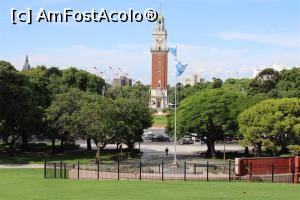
(146, 132)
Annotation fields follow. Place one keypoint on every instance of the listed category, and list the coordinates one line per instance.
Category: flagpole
(175, 136)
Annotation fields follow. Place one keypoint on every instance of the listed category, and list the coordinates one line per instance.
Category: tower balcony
(159, 93)
(156, 50)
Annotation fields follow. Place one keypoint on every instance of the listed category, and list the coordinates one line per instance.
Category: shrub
(294, 147)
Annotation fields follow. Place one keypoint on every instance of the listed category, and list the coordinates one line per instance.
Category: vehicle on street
(195, 137)
(186, 140)
(149, 136)
(160, 138)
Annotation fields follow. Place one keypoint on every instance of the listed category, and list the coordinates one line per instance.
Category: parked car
(195, 137)
(149, 136)
(186, 140)
(146, 132)
(160, 138)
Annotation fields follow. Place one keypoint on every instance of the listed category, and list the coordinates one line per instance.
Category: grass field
(28, 184)
(160, 120)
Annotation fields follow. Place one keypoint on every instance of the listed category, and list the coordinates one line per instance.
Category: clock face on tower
(159, 39)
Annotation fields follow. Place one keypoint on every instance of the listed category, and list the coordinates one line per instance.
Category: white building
(191, 80)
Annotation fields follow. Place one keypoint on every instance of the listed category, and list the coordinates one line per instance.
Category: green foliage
(20, 106)
(271, 123)
(82, 80)
(133, 117)
(138, 91)
(184, 92)
(294, 147)
(217, 83)
(59, 115)
(96, 119)
(265, 81)
(240, 85)
(289, 83)
(207, 114)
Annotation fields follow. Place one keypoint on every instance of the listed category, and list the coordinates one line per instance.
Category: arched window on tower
(159, 48)
(159, 84)
(159, 65)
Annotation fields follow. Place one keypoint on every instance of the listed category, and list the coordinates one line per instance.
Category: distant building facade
(191, 80)
(122, 81)
(159, 50)
(26, 65)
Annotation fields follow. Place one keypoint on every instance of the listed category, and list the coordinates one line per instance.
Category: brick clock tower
(159, 50)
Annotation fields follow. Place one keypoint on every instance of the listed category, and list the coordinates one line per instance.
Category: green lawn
(28, 184)
(160, 120)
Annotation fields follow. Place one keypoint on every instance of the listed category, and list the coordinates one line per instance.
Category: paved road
(21, 166)
(155, 151)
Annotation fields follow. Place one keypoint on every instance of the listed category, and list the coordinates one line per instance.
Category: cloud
(135, 59)
(263, 38)
(209, 61)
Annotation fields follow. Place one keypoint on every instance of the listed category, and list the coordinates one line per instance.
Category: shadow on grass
(40, 152)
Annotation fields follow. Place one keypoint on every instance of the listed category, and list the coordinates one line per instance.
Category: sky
(216, 38)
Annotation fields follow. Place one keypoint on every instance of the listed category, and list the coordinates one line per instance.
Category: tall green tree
(206, 113)
(289, 83)
(20, 109)
(265, 81)
(98, 120)
(59, 115)
(82, 80)
(272, 123)
(138, 90)
(217, 83)
(133, 117)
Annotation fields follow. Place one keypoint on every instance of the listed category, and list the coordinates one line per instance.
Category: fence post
(98, 170)
(229, 170)
(60, 169)
(65, 170)
(162, 170)
(207, 171)
(293, 174)
(78, 170)
(45, 168)
(55, 170)
(272, 172)
(250, 171)
(184, 171)
(140, 170)
(195, 169)
(118, 169)
(159, 168)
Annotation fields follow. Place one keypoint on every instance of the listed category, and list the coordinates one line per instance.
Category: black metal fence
(186, 171)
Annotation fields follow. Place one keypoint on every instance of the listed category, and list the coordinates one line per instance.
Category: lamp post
(224, 156)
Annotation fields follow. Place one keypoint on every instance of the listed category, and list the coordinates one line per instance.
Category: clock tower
(159, 50)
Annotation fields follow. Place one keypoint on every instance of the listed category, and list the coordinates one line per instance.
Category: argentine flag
(180, 68)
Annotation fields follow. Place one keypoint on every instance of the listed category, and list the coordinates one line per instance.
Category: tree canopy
(207, 114)
(271, 123)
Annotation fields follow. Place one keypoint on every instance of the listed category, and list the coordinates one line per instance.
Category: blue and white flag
(173, 51)
(180, 68)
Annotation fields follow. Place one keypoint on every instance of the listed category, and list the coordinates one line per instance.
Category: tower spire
(26, 65)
